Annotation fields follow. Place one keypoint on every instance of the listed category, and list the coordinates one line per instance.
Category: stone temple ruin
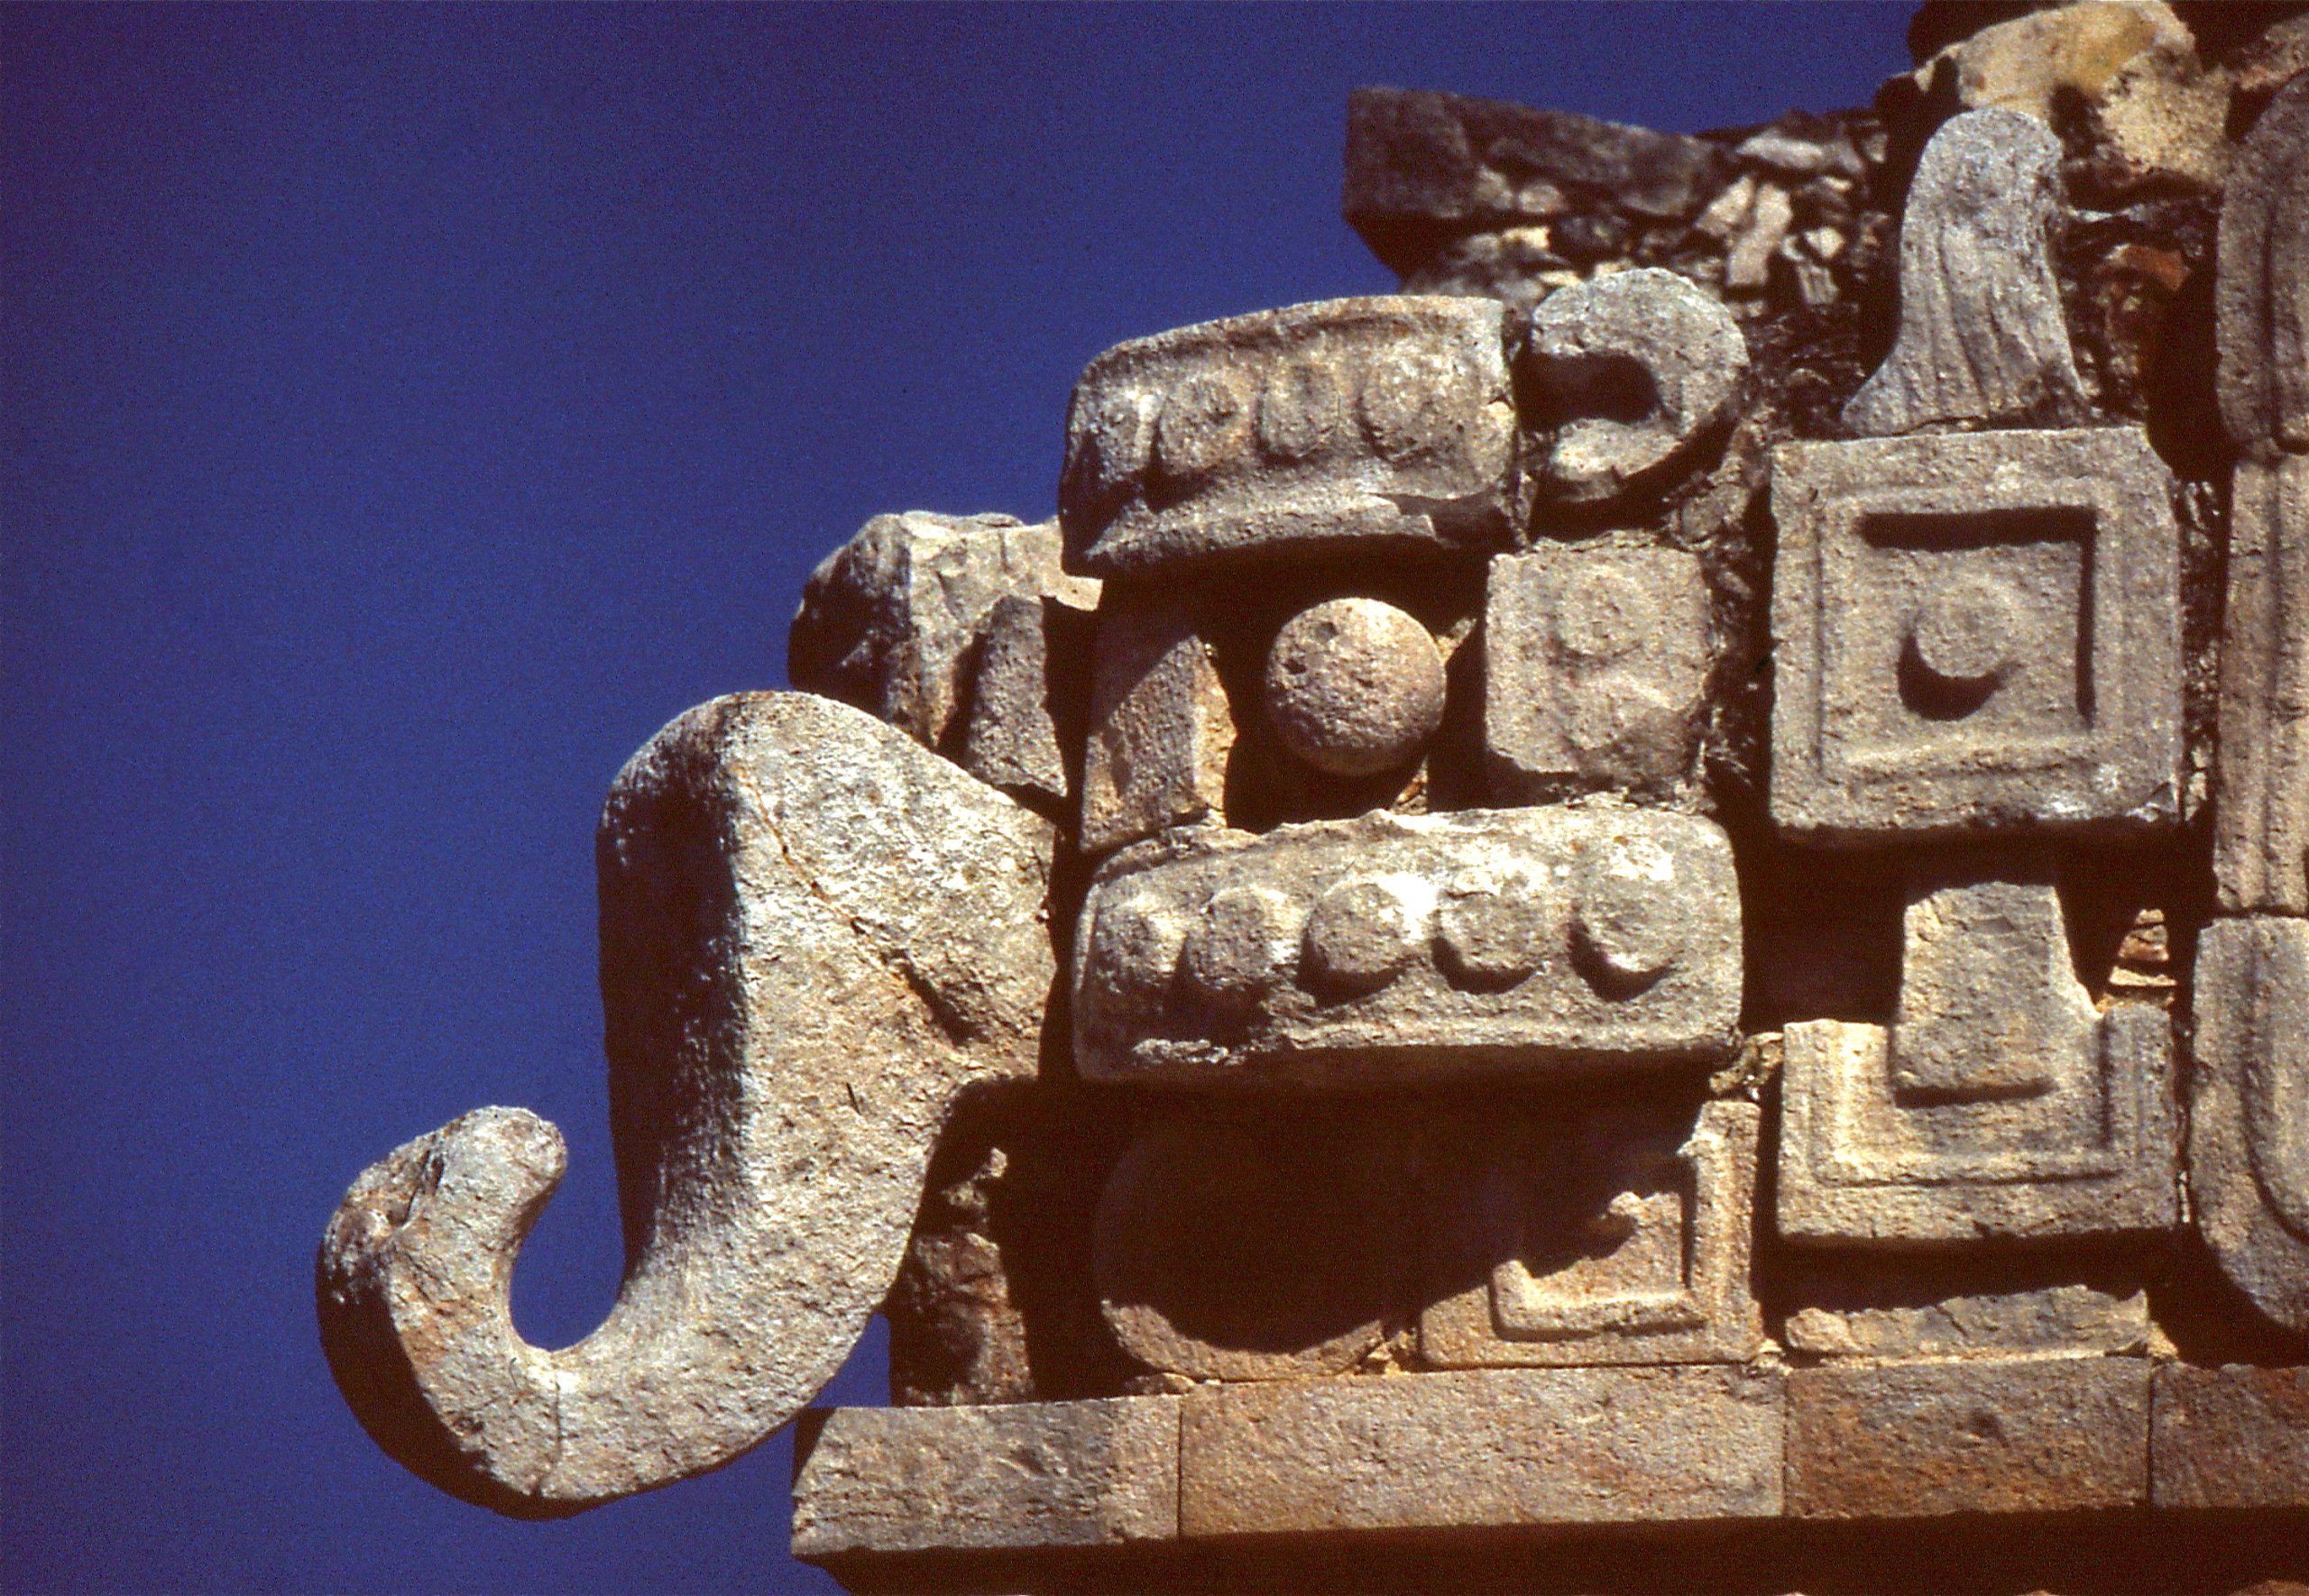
(1636, 920)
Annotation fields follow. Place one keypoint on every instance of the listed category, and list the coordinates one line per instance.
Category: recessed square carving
(1976, 632)
(1618, 1238)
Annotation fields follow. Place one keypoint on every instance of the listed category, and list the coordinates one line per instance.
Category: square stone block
(1926, 1440)
(1595, 670)
(1390, 947)
(1088, 1473)
(1318, 429)
(2094, 1154)
(1482, 1448)
(2231, 1437)
(1976, 632)
(1616, 1238)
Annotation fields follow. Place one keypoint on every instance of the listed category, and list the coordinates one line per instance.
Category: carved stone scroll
(2262, 291)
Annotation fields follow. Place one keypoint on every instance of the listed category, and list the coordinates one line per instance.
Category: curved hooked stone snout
(815, 936)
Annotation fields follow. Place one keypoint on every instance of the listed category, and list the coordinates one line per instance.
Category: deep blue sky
(406, 412)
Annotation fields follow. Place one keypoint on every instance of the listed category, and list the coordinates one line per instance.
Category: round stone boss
(1354, 687)
(1245, 942)
(1363, 932)
(1966, 633)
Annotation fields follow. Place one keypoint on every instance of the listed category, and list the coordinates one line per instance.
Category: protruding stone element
(1386, 949)
(1354, 687)
(1631, 371)
(2261, 850)
(1161, 725)
(2092, 1154)
(1621, 1237)
(1314, 430)
(1029, 697)
(1928, 1440)
(1421, 164)
(1982, 338)
(2262, 288)
(1482, 1447)
(1595, 665)
(1253, 1250)
(816, 934)
(891, 621)
(1088, 1473)
(2229, 1437)
(1974, 634)
(1990, 1002)
(2249, 1120)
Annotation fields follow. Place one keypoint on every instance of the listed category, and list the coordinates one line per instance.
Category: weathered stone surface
(2077, 1320)
(2249, 1114)
(1323, 426)
(1161, 725)
(1398, 946)
(2260, 849)
(1087, 1473)
(1614, 1238)
(1354, 687)
(1975, 633)
(1981, 337)
(814, 935)
(1488, 1447)
(1029, 697)
(891, 621)
(1416, 158)
(1926, 1440)
(2262, 288)
(1629, 372)
(2094, 1152)
(1234, 1249)
(2231, 1437)
(1595, 665)
(1990, 1002)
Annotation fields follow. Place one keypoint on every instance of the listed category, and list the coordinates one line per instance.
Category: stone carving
(814, 934)
(892, 621)
(1614, 1239)
(1327, 426)
(1631, 371)
(1396, 948)
(1596, 666)
(1975, 633)
(1494, 762)
(2248, 1116)
(1161, 726)
(1981, 337)
(1234, 1251)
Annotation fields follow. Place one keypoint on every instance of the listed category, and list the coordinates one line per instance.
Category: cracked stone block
(1982, 338)
(891, 621)
(2249, 1120)
(1088, 1473)
(2236, 1436)
(2261, 846)
(1622, 1237)
(1976, 632)
(1398, 948)
(2092, 1154)
(1264, 1250)
(1628, 373)
(1931, 1440)
(1029, 696)
(2261, 290)
(1161, 725)
(1904, 1308)
(1320, 428)
(1482, 1447)
(1595, 665)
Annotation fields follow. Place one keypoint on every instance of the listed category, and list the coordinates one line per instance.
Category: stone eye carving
(1631, 370)
(1354, 687)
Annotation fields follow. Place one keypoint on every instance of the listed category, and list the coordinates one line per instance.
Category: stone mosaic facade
(1659, 883)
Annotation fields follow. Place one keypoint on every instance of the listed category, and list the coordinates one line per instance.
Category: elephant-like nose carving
(815, 936)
